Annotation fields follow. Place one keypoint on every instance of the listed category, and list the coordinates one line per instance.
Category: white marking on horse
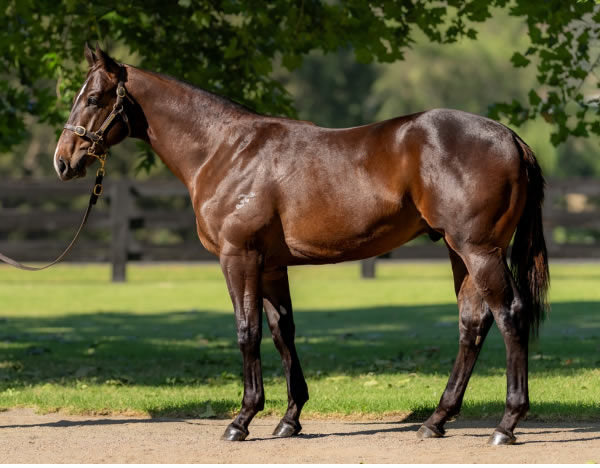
(82, 88)
(244, 199)
(55, 160)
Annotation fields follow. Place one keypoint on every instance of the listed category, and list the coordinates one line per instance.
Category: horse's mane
(223, 100)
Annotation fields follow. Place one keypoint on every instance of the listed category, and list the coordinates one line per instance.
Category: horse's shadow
(401, 428)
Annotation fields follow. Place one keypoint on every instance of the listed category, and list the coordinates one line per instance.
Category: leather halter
(97, 137)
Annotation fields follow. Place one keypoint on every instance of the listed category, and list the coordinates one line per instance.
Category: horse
(272, 192)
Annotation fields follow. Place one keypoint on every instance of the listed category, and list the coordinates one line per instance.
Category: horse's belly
(346, 236)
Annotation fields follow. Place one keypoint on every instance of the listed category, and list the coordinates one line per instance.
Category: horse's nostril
(62, 166)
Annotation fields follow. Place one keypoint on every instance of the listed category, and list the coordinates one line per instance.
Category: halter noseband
(97, 137)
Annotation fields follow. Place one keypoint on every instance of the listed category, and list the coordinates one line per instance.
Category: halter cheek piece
(97, 137)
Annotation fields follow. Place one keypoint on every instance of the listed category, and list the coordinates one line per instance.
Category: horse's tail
(529, 258)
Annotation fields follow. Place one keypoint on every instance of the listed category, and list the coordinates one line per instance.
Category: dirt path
(26, 437)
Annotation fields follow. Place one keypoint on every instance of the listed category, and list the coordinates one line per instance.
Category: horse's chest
(207, 238)
(237, 217)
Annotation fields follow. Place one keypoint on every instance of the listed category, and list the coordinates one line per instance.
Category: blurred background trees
(338, 63)
(471, 75)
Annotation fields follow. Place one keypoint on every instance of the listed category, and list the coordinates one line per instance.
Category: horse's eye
(92, 101)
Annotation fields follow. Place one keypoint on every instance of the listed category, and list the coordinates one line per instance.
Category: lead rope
(96, 138)
(96, 192)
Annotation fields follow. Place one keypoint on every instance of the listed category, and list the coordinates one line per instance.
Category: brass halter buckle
(102, 159)
(100, 173)
(98, 189)
(79, 130)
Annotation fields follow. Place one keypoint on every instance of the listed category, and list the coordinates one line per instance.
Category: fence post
(367, 267)
(119, 219)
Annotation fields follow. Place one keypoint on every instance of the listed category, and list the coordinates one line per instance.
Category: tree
(332, 90)
(229, 46)
(563, 44)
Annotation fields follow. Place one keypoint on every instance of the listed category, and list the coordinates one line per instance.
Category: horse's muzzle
(62, 168)
(66, 172)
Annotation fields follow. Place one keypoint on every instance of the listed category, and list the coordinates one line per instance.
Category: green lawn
(164, 343)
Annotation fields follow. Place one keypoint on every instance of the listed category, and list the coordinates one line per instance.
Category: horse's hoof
(500, 438)
(234, 433)
(425, 432)
(285, 429)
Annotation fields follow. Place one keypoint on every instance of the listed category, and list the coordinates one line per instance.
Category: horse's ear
(106, 61)
(89, 55)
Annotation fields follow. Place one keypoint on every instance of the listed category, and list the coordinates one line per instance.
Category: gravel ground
(26, 437)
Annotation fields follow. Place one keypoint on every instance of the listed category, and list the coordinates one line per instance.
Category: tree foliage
(332, 90)
(563, 45)
(472, 76)
(225, 46)
(230, 46)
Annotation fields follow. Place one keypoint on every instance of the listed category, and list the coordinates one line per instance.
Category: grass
(164, 343)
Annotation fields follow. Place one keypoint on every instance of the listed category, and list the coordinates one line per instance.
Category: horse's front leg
(278, 307)
(242, 273)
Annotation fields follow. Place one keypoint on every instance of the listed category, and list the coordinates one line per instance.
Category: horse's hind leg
(493, 280)
(474, 323)
(278, 306)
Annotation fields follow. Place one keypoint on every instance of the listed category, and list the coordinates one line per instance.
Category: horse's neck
(185, 125)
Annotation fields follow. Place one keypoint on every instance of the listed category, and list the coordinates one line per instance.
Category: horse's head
(97, 119)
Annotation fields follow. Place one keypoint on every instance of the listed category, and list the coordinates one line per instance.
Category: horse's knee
(248, 337)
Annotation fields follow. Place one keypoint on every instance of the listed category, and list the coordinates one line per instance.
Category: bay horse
(272, 192)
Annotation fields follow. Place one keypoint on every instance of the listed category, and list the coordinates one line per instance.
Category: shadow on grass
(179, 348)
(192, 347)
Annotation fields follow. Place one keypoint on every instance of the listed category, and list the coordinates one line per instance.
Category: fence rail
(154, 221)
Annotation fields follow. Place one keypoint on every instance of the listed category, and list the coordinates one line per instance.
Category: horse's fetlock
(260, 403)
(449, 409)
(301, 397)
(255, 401)
(518, 404)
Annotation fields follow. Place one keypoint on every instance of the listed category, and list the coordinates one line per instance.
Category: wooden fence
(149, 221)
(154, 221)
